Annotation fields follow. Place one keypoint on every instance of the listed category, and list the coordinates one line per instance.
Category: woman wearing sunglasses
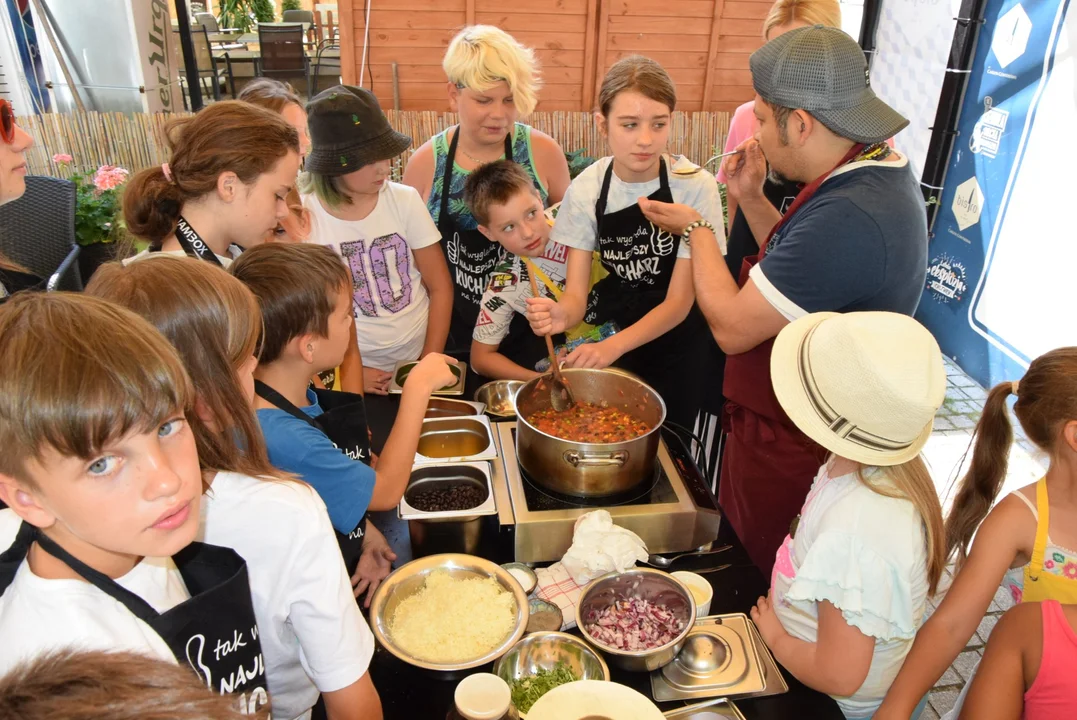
(15, 142)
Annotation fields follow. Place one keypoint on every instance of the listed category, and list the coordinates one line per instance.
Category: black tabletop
(410, 693)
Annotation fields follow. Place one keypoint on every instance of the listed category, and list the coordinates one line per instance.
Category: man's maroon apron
(769, 464)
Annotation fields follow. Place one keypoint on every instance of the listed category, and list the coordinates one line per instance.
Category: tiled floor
(946, 455)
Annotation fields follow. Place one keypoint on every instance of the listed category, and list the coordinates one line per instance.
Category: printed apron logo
(662, 242)
(947, 279)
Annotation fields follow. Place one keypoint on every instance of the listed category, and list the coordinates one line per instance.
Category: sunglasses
(7, 122)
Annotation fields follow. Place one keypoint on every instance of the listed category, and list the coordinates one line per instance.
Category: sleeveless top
(521, 154)
(1053, 693)
(1051, 573)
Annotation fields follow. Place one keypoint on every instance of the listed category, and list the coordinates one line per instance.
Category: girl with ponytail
(1023, 541)
(224, 188)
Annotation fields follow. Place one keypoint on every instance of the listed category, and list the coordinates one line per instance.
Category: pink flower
(1016, 592)
(108, 177)
(1049, 564)
(1070, 570)
(62, 158)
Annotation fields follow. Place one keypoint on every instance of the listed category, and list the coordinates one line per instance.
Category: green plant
(243, 14)
(97, 201)
(290, 5)
(578, 162)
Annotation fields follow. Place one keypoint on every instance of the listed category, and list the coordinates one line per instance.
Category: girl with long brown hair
(224, 188)
(1024, 541)
(303, 602)
(851, 581)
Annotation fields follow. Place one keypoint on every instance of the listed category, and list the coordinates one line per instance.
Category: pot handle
(614, 459)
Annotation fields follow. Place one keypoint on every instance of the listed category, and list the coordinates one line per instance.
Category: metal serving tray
(443, 407)
(400, 372)
(455, 440)
(716, 709)
(477, 473)
(730, 660)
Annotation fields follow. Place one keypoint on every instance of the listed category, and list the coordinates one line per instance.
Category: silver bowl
(543, 650)
(498, 396)
(408, 580)
(653, 585)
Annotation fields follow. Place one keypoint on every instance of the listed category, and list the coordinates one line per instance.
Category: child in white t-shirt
(402, 292)
(508, 208)
(98, 458)
(314, 638)
(850, 583)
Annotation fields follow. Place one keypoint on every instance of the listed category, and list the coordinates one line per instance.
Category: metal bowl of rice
(449, 612)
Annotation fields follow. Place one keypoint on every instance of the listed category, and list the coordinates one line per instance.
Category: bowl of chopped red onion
(639, 618)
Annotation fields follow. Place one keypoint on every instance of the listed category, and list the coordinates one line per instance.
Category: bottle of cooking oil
(483, 696)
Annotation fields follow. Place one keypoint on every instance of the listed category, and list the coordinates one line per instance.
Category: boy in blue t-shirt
(305, 294)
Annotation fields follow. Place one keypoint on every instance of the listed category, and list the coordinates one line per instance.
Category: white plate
(585, 699)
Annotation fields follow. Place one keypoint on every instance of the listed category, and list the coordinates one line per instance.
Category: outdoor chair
(283, 53)
(212, 72)
(37, 231)
(329, 56)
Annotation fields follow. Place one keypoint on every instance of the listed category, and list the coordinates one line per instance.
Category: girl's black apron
(343, 421)
(214, 631)
(640, 258)
(470, 255)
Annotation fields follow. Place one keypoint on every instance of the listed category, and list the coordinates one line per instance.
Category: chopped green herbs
(527, 690)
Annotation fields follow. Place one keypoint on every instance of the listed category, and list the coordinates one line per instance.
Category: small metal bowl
(409, 579)
(541, 614)
(655, 586)
(498, 396)
(532, 578)
(543, 650)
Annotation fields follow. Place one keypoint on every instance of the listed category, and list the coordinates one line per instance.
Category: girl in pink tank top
(1030, 667)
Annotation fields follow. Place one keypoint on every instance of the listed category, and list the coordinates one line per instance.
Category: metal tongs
(561, 397)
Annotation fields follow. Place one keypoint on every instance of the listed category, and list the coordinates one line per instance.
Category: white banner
(912, 47)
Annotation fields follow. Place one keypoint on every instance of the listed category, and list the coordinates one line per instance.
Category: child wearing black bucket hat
(402, 292)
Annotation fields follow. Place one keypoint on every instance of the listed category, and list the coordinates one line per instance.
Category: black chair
(283, 53)
(329, 56)
(37, 231)
(297, 16)
(209, 67)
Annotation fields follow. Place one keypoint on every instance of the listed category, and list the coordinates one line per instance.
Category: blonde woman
(492, 81)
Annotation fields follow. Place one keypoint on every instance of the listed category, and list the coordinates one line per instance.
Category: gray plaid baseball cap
(822, 70)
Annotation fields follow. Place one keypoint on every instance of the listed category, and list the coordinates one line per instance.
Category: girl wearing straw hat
(851, 581)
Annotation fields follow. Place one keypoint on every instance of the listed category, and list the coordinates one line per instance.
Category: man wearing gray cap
(855, 239)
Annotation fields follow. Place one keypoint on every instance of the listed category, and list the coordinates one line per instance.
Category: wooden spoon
(560, 394)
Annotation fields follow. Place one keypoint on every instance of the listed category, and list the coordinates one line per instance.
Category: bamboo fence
(136, 141)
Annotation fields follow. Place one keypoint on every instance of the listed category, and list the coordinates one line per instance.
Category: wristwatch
(686, 234)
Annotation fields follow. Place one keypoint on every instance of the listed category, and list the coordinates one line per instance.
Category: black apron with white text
(213, 631)
(640, 258)
(343, 420)
(471, 257)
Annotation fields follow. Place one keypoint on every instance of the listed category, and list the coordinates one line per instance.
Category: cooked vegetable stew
(589, 423)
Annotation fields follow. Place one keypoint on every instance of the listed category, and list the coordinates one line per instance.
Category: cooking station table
(410, 693)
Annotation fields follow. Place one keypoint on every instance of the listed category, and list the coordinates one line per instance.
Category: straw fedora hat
(865, 385)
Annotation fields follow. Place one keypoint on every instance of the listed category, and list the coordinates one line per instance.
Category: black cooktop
(649, 492)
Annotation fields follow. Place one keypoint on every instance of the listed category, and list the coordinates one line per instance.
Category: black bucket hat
(348, 130)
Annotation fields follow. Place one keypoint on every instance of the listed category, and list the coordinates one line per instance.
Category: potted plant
(98, 224)
(243, 14)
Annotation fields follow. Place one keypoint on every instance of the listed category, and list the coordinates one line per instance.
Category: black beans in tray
(445, 498)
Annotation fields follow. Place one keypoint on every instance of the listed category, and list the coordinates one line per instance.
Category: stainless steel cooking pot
(589, 469)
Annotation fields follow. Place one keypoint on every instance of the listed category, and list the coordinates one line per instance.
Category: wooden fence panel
(137, 141)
